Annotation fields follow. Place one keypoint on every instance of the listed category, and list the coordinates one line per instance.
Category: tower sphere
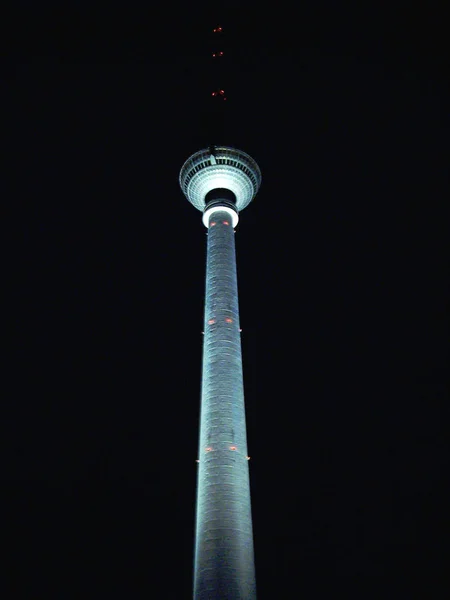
(221, 167)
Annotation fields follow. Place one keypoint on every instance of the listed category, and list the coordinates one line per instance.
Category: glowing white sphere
(226, 168)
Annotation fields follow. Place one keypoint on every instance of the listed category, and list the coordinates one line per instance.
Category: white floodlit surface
(224, 561)
(226, 168)
(209, 211)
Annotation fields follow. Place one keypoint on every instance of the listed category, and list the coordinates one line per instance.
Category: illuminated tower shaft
(224, 563)
(220, 182)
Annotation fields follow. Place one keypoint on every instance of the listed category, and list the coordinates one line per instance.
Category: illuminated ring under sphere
(223, 167)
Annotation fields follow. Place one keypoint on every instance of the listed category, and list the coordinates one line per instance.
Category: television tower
(220, 181)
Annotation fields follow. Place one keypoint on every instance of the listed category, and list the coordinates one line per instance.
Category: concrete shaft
(224, 561)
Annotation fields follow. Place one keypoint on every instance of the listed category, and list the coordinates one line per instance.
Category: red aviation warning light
(219, 94)
(217, 55)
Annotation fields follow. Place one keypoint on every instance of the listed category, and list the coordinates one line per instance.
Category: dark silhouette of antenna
(218, 101)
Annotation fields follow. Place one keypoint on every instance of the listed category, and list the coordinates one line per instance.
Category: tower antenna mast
(218, 98)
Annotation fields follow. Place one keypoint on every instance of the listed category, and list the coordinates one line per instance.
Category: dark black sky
(342, 274)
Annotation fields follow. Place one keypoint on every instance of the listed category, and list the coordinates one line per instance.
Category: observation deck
(220, 167)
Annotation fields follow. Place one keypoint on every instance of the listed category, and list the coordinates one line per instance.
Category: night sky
(342, 270)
